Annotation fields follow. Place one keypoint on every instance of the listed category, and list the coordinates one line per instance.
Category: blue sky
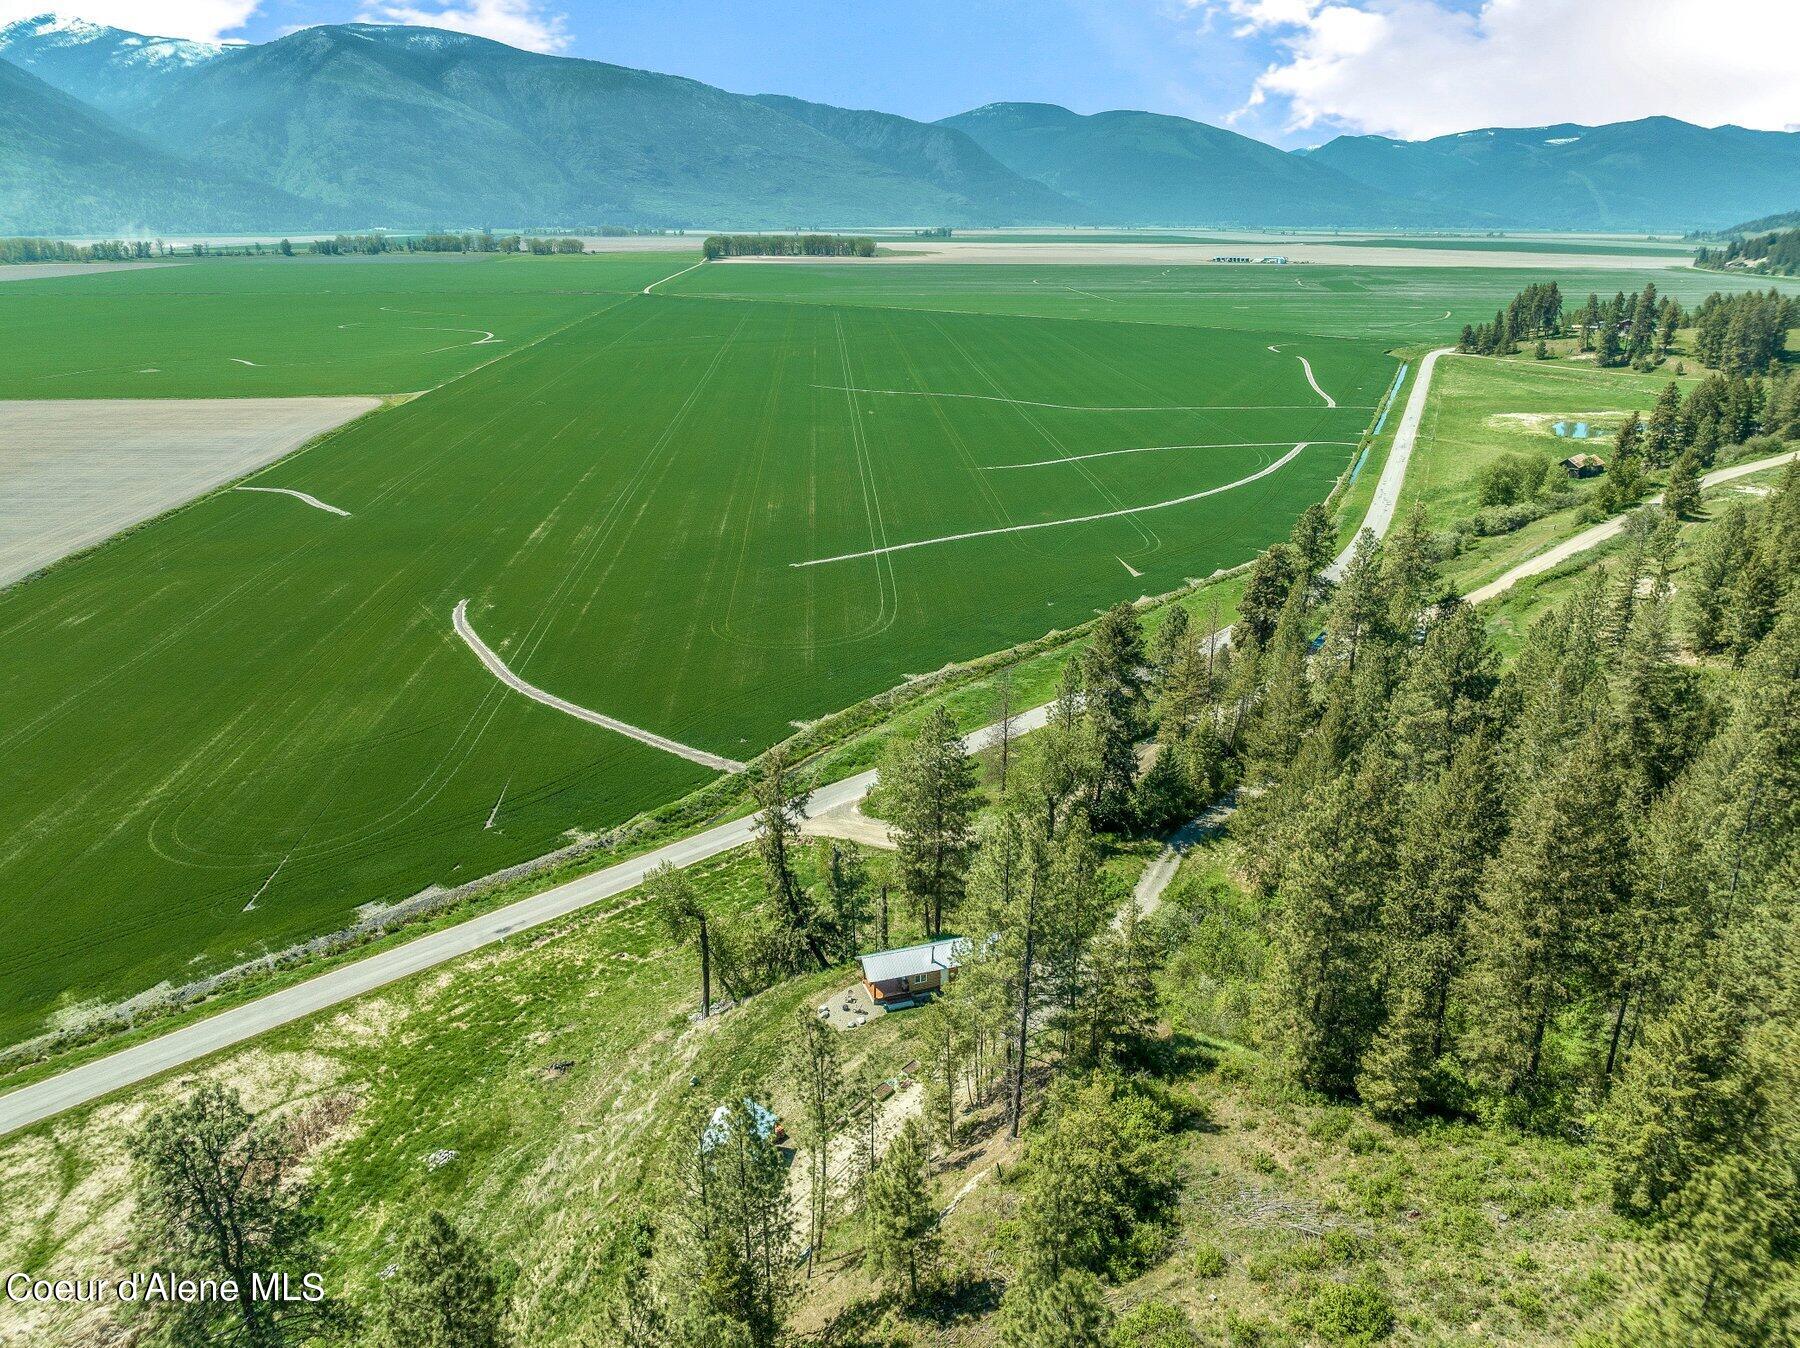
(1293, 72)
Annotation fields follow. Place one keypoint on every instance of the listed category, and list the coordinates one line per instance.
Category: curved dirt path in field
(1078, 407)
(190, 1043)
(307, 497)
(1306, 365)
(1262, 472)
(499, 669)
(1150, 449)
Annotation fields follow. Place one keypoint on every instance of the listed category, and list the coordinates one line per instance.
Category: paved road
(1588, 538)
(91, 1080)
(1393, 473)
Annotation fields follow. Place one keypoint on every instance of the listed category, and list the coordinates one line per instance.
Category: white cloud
(518, 23)
(202, 20)
(1417, 68)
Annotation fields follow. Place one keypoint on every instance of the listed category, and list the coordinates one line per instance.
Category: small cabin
(896, 978)
(1584, 465)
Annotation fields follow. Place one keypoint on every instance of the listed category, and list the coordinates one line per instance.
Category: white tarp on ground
(75, 472)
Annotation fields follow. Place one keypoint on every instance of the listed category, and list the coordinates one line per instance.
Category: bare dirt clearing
(41, 271)
(74, 473)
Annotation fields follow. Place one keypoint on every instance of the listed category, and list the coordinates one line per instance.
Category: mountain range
(355, 126)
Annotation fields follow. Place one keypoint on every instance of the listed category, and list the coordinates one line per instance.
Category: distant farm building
(1584, 465)
(1245, 258)
(898, 978)
(1274, 261)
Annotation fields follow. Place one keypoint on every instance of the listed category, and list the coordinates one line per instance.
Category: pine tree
(1313, 542)
(816, 1080)
(1409, 570)
(1319, 1002)
(930, 781)
(1060, 763)
(1284, 712)
(1717, 562)
(1723, 1275)
(1444, 699)
(1682, 496)
(1683, 1102)
(846, 876)
(1544, 919)
(777, 833)
(443, 1292)
(678, 906)
(217, 1198)
(1067, 1311)
(900, 1220)
(1451, 833)
(1074, 912)
(1358, 617)
(733, 1233)
(1112, 676)
(1610, 352)
(1662, 436)
(1171, 639)
(1272, 577)
(1755, 601)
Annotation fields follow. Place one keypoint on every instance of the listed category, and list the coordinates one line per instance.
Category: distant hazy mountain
(1140, 168)
(67, 169)
(366, 125)
(937, 153)
(397, 126)
(107, 67)
(1658, 173)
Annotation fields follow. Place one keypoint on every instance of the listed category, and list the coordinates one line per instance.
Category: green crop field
(1398, 305)
(275, 327)
(229, 729)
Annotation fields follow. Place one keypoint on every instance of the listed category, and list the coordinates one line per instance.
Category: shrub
(1209, 1261)
(1349, 1314)
(1156, 1324)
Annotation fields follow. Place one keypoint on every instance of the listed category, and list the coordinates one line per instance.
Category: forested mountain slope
(1657, 173)
(68, 169)
(1140, 168)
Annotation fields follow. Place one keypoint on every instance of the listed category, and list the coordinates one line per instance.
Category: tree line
(56, 250)
(1634, 330)
(1746, 333)
(1777, 251)
(788, 245)
(371, 244)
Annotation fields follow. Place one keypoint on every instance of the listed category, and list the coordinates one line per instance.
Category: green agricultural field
(230, 729)
(277, 327)
(1398, 305)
